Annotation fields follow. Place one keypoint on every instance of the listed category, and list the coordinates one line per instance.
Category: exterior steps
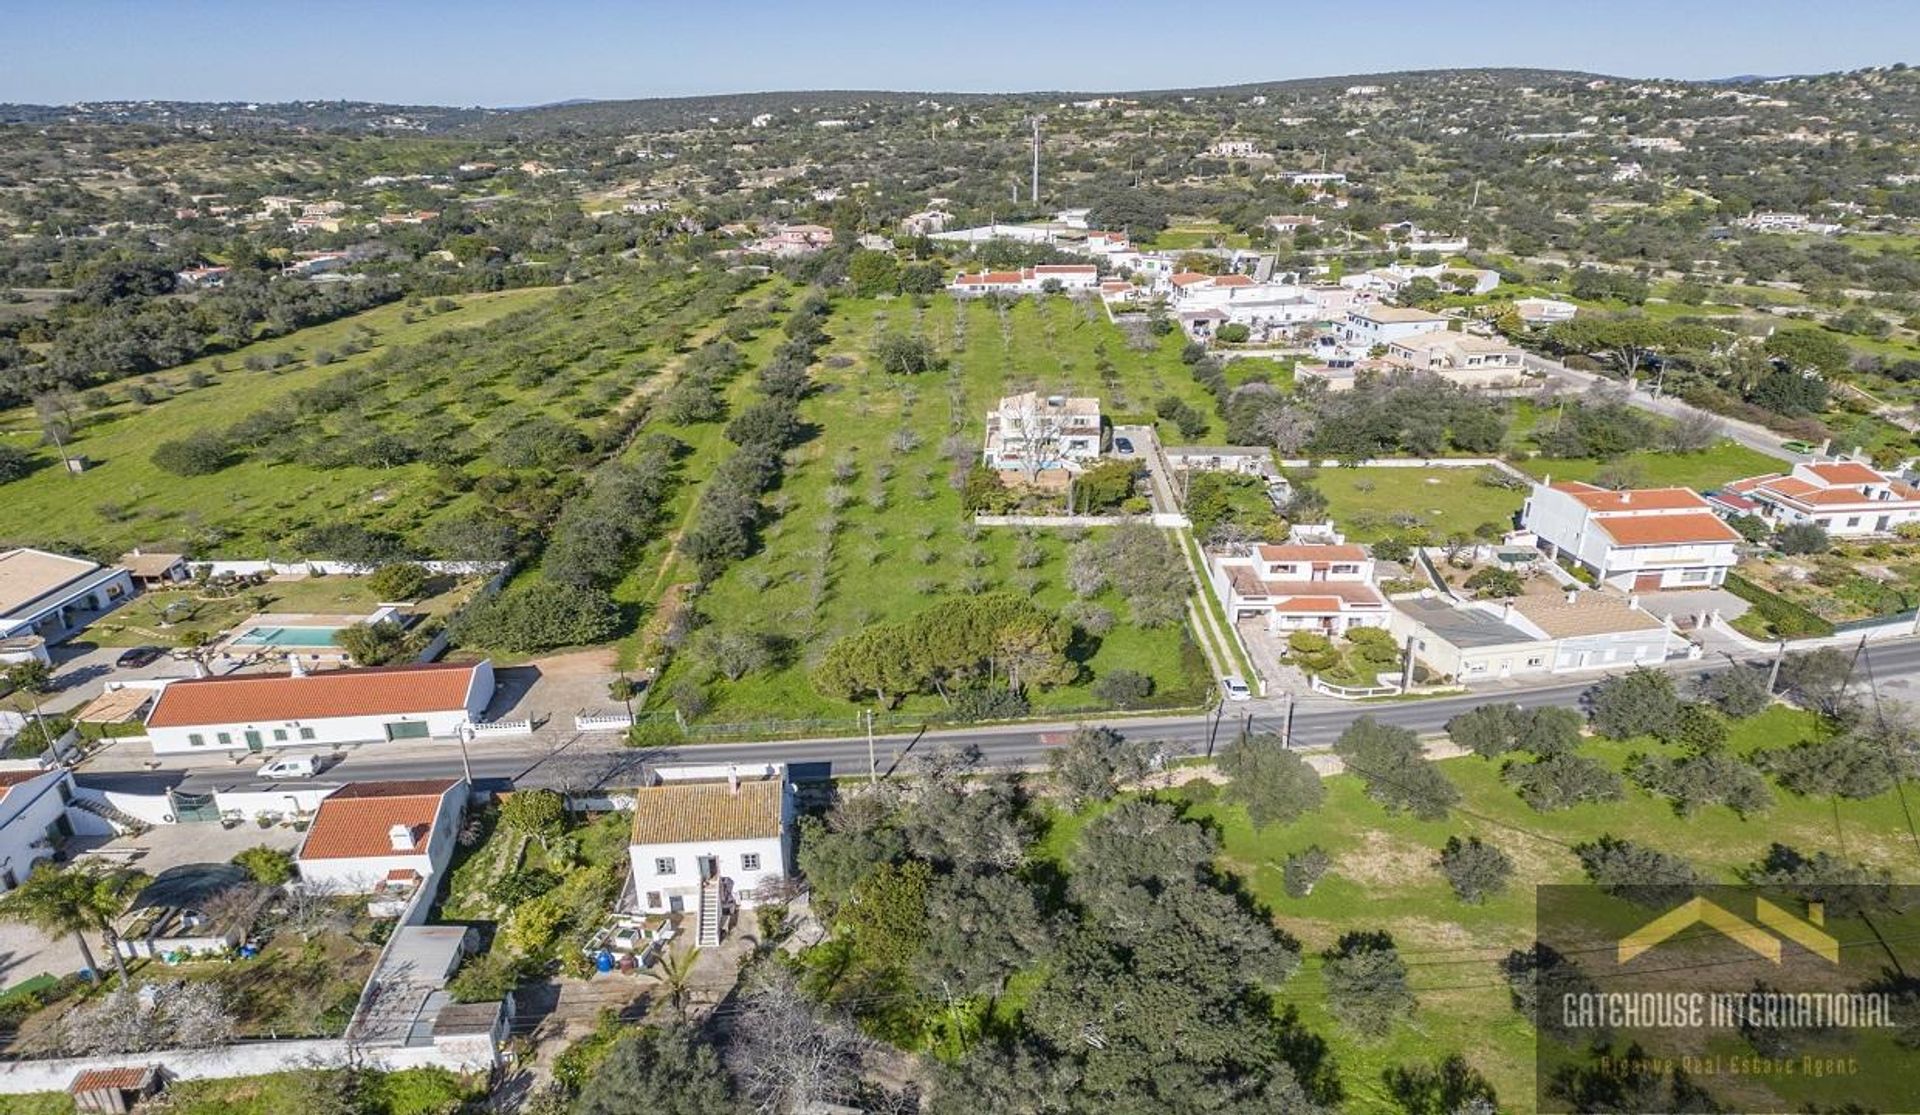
(122, 822)
(707, 934)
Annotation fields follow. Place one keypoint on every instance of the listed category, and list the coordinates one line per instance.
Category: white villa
(1034, 432)
(1635, 540)
(1845, 498)
(710, 839)
(1069, 277)
(53, 596)
(1367, 326)
(254, 711)
(1326, 588)
(1462, 358)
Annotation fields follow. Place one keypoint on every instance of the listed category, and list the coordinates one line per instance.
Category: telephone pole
(1035, 196)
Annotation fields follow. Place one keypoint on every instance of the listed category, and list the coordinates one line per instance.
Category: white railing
(602, 722)
(498, 729)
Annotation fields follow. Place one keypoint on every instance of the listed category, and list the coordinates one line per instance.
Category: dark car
(1123, 446)
(138, 657)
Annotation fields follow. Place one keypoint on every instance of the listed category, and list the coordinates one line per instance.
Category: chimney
(1506, 609)
(294, 668)
(733, 782)
(1572, 593)
(402, 837)
(1634, 601)
(1626, 496)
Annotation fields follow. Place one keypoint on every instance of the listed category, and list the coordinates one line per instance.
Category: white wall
(685, 877)
(250, 1059)
(326, 731)
(27, 811)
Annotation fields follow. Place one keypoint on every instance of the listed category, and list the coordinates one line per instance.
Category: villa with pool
(315, 638)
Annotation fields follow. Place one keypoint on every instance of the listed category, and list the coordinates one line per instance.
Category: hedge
(1787, 619)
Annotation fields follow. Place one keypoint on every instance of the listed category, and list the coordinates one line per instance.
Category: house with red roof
(1847, 499)
(1637, 539)
(253, 712)
(1320, 587)
(382, 837)
(1039, 279)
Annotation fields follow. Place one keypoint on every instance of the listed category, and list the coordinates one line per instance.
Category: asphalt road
(585, 762)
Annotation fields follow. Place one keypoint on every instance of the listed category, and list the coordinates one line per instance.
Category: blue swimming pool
(289, 637)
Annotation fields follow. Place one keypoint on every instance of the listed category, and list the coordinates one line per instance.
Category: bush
(1366, 981)
(988, 704)
(1304, 869)
(1395, 769)
(1635, 873)
(398, 581)
(269, 866)
(1233, 333)
(1563, 781)
(199, 456)
(1784, 618)
(1474, 870)
(540, 616)
(1802, 538)
(1123, 688)
(656, 733)
(1739, 692)
(1641, 702)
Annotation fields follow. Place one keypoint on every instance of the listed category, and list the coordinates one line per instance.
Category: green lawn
(1365, 502)
(123, 500)
(1198, 234)
(204, 611)
(1707, 469)
(902, 542)
(1384, 878)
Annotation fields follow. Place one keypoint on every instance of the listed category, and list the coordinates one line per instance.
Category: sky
(495, 53)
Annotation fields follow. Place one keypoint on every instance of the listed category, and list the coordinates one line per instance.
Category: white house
(33, 815)
(1316, 178)
(254, 711)
(1206, 302)
(1028, 280)
(708, 839)
(1635, 540)
(53, 596)
(1366, 326)
(1299, 587)
(1032, 431)
(1531, 635)
(1845, 498)
(1461, 358)
(1246, 460)
(371, 837)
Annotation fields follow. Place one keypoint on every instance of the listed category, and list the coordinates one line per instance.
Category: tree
(1096, 763)
(543, 615)
(1123, 688)
(873, 273)
(400, 580)
(673, 975)
(1303, 870)
(982, 928)
(1562, 781)
(670, 1071)
(1810, 350)
(1709, 777)
(197, 456)
(1802, 538)
(1640, 702)
(886, 916)
(1275, 783)
(1738, 692)
(788, 1054)
(1627, 339)
(904, 354)
(269, 866)
(1474, 870)
(1818, 679)
(1494, 582)
(540, 814)
(1638, 874)
(1451, 1087)
(1395, 769)
(56, 900)
(15, 463)
(373, 644)
(1366, 982)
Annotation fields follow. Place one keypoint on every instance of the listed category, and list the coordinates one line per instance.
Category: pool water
(289, 637)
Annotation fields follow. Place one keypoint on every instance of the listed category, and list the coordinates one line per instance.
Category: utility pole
(1773, 674)
(873, 767)
(1286, 726)
(1213, 730)
(1035, 198)
(466, 765)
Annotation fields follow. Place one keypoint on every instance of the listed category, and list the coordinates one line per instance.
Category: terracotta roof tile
(1846, 472)
(257, 698)
(356, 820)
(1634, 499)
(1666, 530)
(11, 778)
(126, 1079)
(683, 812)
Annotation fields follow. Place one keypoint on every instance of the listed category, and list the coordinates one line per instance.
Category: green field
(1368, 504)
(123, 500)
(1384, 878)
(1701, 471)
(901, 541)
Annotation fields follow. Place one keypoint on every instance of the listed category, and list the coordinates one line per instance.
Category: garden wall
(248, 1059)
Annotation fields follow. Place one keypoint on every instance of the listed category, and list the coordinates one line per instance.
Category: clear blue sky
(535, 51)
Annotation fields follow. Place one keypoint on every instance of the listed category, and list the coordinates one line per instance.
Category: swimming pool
(289, 637)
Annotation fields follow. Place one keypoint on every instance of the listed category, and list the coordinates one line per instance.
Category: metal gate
(188, 808)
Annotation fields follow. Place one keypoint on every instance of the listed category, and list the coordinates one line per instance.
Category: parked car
(1123, 446)
(1234, 687)
(137, 657)
(1797, 446)
(291, 766)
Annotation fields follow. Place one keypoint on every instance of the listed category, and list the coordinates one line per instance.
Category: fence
(1159, 519)
(898, 723)
(239, 1059)
(1352, 692)
(500, 729)
(241, 567)
(602, 721)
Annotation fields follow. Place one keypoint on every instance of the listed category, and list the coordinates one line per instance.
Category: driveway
(553, 689)
(1685, 605)
(82, 669)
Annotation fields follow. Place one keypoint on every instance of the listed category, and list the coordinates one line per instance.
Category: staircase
(124, 823)
(707, 935)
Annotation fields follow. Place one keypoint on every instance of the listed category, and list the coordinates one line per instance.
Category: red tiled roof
(1734, 500)
(1666, 530)
(1750, 483)
(356, 821)
(1297, 605)
(1310, 552)
(1632, 499)
(254, 698)
(1188, 278)
(1846, 472)
(125, 1080)
(1233, 280)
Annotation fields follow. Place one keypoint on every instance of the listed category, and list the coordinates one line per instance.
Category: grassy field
(896, 441)
(201, 611)
(1384, 878)
(123, 500)
(1365, 501)
(1701, 471)
(1198, 234)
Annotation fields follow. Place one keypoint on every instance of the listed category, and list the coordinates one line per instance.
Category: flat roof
(1463, 627)
(29, 576)
(1591, 613)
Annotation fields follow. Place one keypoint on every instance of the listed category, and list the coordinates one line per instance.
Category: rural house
(53, 596)
(372, 837)
(1320, 587)
(708, 839)
(1636, 540)
(257, 711)
(1845, 498)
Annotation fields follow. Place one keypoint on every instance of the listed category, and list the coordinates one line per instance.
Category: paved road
(584, 762)
(1757, 438)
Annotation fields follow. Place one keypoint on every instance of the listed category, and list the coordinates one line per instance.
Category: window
(1693, 576)
(196, 739)
(653, 900)
(663, 865)
(750, 861)
(279, 735)
(1854, 521)
(225, 738)
(1536, 660)
(407, 729)
(306, 733)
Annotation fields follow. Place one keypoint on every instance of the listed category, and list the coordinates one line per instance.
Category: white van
(291, 766)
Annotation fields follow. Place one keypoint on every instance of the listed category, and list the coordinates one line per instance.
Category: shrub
(1562, 781)
(1784, 618)
(988, 704)
(1641, 702)
(1303, 870)
(1638, 874)
(270, 866)
(1739, 692)
(398, 581)
(1366, 981)
(198, 456)
(1474, 869)
(1123, 688)
(1802, 538)
(484, 978)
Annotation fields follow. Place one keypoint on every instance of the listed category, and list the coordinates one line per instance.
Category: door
(255, 741)
(1644, 582)
(1882, 524)
(676, 904)
(407, 729)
